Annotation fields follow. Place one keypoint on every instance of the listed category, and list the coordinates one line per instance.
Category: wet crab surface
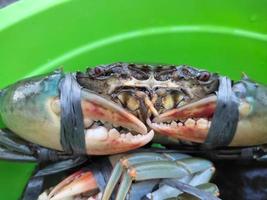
(124, 105)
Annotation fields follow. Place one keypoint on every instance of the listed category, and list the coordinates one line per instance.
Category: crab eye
(98, 71)
(204, 76)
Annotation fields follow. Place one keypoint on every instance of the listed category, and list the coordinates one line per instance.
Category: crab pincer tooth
(100, 141)
(98, 108)
(187, 131)
(202, 108)
(75, 184)
(194, 130)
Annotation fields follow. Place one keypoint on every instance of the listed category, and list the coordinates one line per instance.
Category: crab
(120, 107)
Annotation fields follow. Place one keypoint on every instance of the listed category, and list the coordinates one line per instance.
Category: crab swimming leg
(199, 180)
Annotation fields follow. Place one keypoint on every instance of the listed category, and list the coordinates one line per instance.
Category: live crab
(126, 106)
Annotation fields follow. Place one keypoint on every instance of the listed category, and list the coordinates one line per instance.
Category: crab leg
(124, 163)
(168, 169)
(207, 187)
(14, 148)
(160, 169)
(144, 166)
(124, 187)
(140, 189)
(210, 191)
(113, 180)
(84, 181)
(148, 168)
(166, 191)
(202, 177)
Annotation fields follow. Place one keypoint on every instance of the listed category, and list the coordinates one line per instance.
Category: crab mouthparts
(190, 122)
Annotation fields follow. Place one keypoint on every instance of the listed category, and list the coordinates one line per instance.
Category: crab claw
(97, 108)
(189, 122)
(106, 137)
(31, 109)
(78, 183)
(109, 128)
(103, 121)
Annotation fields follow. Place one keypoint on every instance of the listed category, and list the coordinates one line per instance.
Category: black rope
(225, 119)
(60, 166)
(72, 128)
(45, 155)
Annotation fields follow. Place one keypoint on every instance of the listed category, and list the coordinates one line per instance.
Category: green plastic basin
(229, 37)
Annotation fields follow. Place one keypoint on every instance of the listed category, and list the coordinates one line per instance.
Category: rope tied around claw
(72, 136)
(225, 118)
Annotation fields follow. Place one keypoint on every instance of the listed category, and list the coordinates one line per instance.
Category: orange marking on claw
(132, 173)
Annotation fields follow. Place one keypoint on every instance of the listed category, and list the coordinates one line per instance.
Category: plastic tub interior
(229, 37)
